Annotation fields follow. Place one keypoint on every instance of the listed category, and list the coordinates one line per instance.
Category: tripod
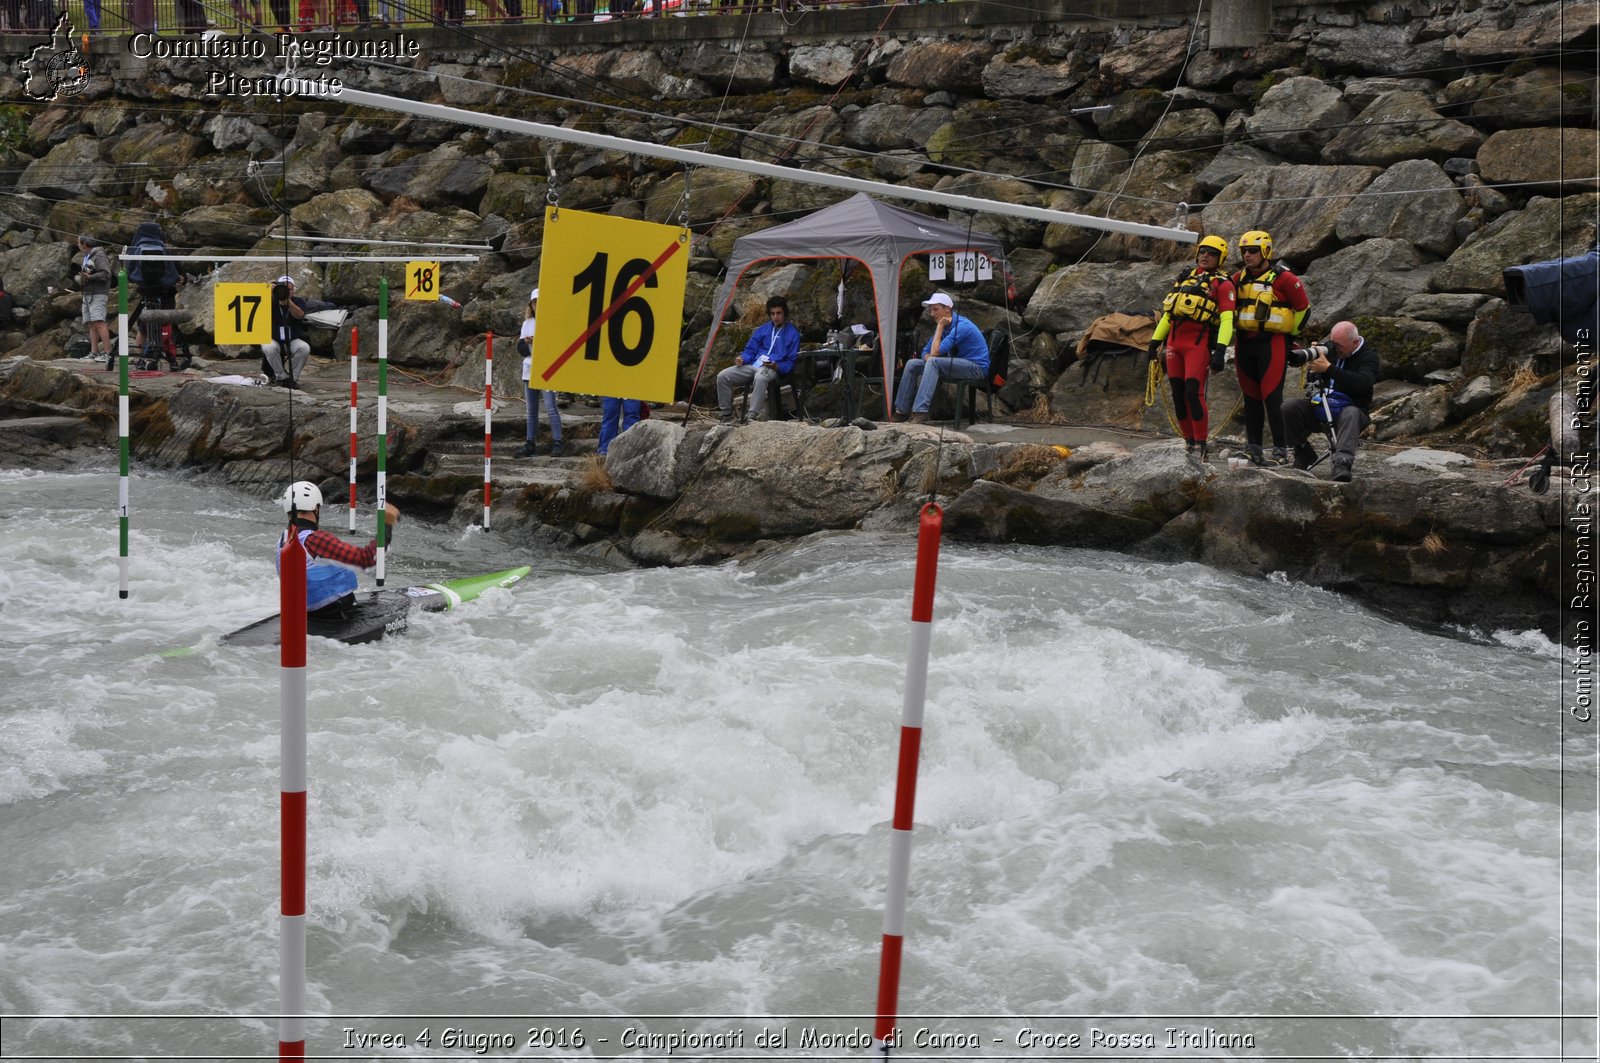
(162, 339)
(1316, 393)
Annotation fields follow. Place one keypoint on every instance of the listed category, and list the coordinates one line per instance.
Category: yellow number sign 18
(242, 313)
(610, 306)
(423, 282)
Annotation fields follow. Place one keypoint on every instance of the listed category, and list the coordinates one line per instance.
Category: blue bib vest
(326, 582)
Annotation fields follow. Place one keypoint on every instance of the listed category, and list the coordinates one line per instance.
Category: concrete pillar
(1239, 23)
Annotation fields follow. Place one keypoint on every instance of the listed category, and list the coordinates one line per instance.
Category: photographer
(94, 273)
(288, 333)
(1344, 368)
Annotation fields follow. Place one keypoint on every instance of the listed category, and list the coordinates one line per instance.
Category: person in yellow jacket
(1272, 303)
(1195, 328)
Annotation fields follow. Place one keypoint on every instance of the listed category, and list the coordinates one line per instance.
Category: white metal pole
(604, 142)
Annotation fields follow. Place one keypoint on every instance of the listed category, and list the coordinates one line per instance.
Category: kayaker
(331, 563)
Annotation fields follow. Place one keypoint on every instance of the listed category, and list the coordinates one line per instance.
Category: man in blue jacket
(770, 354)
(956, 351)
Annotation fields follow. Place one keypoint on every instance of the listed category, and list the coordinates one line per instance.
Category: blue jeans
(611, 411)
(922, 377)
(532, 398)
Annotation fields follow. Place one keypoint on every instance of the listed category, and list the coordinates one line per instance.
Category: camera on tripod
(1299, 356)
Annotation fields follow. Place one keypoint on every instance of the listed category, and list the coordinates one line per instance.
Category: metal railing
(117, 17)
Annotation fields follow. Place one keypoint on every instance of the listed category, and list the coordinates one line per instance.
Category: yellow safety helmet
(1257, 239)
(1214, 243)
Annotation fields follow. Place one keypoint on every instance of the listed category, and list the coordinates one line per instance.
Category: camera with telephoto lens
(280, 293)
(1299, 356)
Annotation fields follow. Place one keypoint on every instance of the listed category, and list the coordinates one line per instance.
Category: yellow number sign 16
(242, 313)
(610, 306)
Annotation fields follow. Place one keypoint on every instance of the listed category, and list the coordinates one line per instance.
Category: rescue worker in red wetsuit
(1272, 304)
(331, 563)
(1196, 325)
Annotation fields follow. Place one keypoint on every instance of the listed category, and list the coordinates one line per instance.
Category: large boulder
(445, 175)
(748, 71)
(1232, 163)
(1543, 96)
(32, 270)
(1398, 126)
(1297, 117)
(1099, 165)
(828, 65)
(1021, 73)
(224, 225)
(644, 459)
(1411, 349)
(69, 171)
(1544, 156)
(782, 478)
(1371, 277)
(346, 213)
(1414, 201)
(1493, 32)
(1152, 485)
(1397, 48)
(1544, 229)
(1298, 205)
(1150, 186)
(1502, 338)
(935, 65)
(515, 196)
(887, 126)
(1067, 300)
(1153, 59)
(797, 138)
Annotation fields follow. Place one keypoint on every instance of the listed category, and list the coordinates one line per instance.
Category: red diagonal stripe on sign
(594, 326)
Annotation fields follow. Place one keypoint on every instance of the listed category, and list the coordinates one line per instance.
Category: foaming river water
(1162, 811)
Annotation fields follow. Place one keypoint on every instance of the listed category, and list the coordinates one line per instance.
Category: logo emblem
(56, 69)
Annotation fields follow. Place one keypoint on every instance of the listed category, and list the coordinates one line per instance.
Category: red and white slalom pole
(292, 804)
(353, 347)
(488, 424)
(930, 528)
(383, 427)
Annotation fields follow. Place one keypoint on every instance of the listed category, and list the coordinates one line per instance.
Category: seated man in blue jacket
(770, 354)
(956, 351)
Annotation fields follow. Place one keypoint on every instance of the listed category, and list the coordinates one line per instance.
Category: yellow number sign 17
(242, 313)
(610, 306)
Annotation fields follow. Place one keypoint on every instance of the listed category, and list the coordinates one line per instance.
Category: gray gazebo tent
(879, 236)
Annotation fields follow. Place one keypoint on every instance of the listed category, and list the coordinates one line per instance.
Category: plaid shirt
(329, 547)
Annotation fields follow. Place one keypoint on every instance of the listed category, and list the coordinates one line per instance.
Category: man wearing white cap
(288, 333)
(956, 351)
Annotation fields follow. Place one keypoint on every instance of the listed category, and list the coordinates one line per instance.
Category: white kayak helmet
(302, 495)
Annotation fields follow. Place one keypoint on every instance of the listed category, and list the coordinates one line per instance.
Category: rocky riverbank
(1426, 535)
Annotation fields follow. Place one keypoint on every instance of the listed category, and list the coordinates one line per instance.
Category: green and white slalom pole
(354, 450)
(383, 422)
(122, 430)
